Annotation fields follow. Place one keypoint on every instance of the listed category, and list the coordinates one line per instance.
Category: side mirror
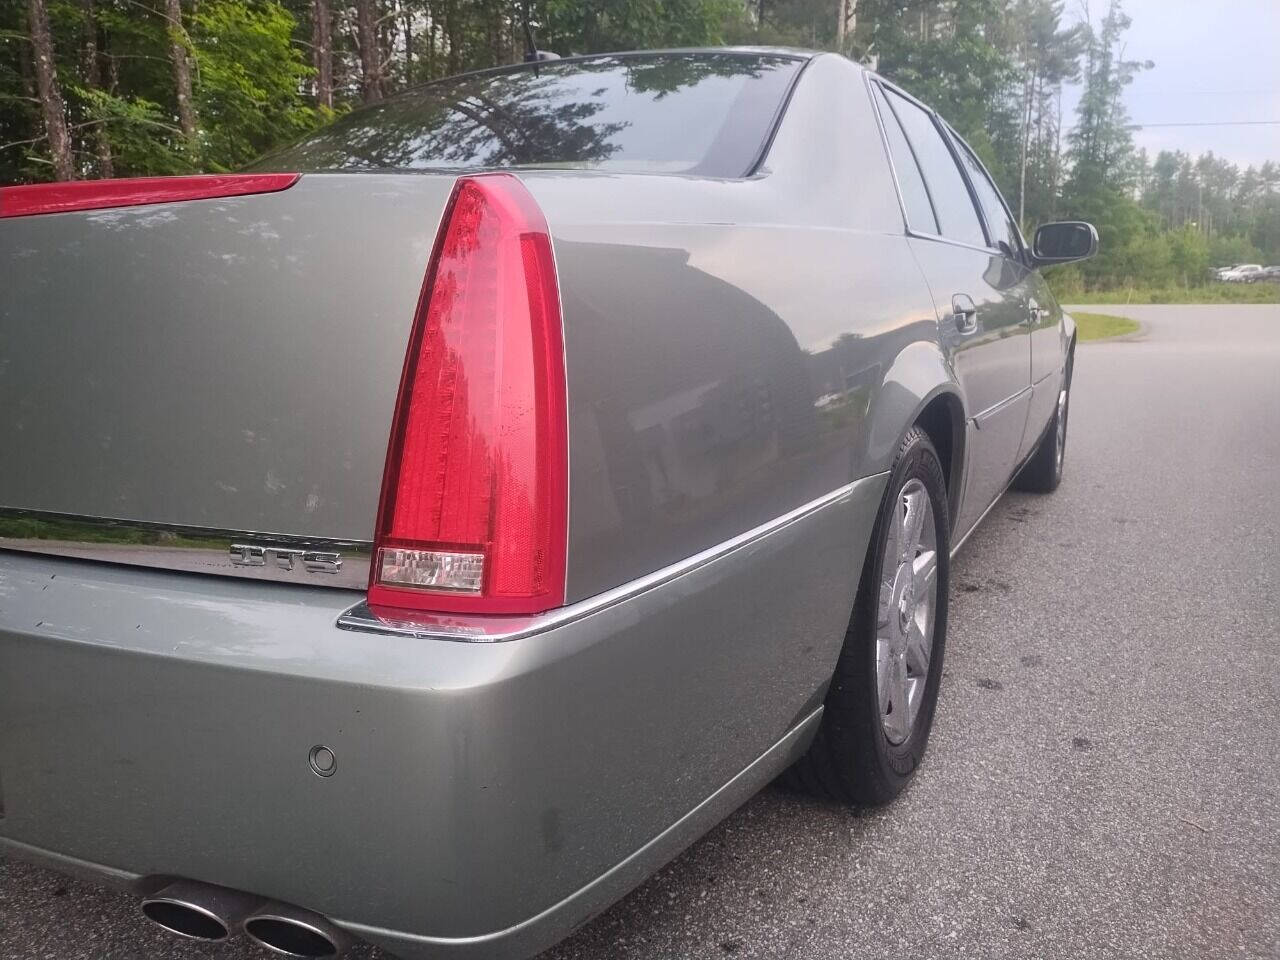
(1064, 242)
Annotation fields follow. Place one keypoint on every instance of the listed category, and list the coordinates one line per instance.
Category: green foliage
(143, 138)
(958, 58)
(994, 68)
(1141, 293)
(593, 27)
(1188, 255)
(250, 80)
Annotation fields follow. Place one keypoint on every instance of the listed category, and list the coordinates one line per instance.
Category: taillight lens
(40, 198)
(474, 499)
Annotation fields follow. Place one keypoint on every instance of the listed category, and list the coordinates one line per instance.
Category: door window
(915, 196)
(1004, 232)
(957, 216)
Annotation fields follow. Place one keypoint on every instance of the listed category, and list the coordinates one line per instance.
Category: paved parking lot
(1104, 777)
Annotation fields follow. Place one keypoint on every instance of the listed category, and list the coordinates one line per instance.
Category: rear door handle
(964, 314)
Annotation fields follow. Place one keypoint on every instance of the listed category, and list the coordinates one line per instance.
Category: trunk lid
(222, 367)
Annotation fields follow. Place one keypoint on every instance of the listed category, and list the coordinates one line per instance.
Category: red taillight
(37, 198)
(474, 499)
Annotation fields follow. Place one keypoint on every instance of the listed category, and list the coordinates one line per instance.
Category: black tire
(1043, 472)
(851, 760)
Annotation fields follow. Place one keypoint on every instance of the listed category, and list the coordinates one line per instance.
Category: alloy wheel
(1060, 442)
(906, 612)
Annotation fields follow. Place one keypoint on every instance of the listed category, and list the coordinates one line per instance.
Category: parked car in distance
(1267, 275)
(1244, 273)
(434, 529)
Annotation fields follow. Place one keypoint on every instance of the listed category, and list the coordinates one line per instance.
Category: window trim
(874, 78)
(961, 144)
(878, 95)
(755, 168)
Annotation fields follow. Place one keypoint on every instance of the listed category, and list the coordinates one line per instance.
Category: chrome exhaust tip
(198, 911)
(292, 932)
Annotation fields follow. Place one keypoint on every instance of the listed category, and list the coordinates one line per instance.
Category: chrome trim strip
(982, 516)
(999, 405)
(999, 496)
(494, 629)
(285, 558)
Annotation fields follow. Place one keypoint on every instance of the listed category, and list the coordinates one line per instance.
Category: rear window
(705, 113)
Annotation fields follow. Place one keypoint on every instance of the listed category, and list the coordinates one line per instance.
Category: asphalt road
(1104, 773)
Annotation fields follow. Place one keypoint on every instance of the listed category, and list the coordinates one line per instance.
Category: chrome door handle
(1035, 313)
(964, 313)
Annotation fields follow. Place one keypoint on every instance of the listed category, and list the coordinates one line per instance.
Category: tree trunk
(842, 19)
(322, 51)
(26, 71)
(181, 68)
(1057, 157)
(406, 19)
(52, 106)
(431, 43)
(1029, 86)
(453, 36)
(370, 51)
(93, 80)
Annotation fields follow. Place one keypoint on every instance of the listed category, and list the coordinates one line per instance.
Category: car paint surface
(160, 723)
(737, 351)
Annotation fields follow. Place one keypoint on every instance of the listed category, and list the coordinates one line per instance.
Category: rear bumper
(488, 797)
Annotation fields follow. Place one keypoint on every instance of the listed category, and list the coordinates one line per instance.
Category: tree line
(100, 88)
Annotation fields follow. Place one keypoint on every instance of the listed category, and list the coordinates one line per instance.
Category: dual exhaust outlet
(201, 911)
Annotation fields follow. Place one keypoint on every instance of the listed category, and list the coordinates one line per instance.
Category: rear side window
(1004, 233)
(915, 197)
(693, 113)
(957, 216)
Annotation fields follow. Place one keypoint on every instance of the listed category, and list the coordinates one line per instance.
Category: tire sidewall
(917, 460)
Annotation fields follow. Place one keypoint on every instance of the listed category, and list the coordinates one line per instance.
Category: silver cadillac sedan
(424, 535)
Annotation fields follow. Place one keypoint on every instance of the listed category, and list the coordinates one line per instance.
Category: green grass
(1210, 293)
(1099, 326)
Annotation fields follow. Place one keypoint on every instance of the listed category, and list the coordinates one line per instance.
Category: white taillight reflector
(431, 569)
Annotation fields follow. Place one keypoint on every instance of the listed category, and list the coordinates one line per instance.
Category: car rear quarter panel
(735, 349)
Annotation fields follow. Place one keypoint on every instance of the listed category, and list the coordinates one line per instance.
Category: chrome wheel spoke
(914, 694)
(925, 571)
(905, 610)
(917, 648)
(884, 674)
(917, 511)
(896, 710)
(884, 609)
(1060, 445)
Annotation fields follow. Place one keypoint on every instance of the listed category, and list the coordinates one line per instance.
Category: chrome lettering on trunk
(313, 561)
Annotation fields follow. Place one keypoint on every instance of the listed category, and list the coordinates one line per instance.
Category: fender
(918, 376)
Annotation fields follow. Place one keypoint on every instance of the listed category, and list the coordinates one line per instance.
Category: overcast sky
(1214, 61)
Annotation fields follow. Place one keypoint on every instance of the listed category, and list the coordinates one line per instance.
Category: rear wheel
(879, 708)
(1043, 472)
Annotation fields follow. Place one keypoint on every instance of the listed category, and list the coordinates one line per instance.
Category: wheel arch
(942, 418)
(920, 389)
